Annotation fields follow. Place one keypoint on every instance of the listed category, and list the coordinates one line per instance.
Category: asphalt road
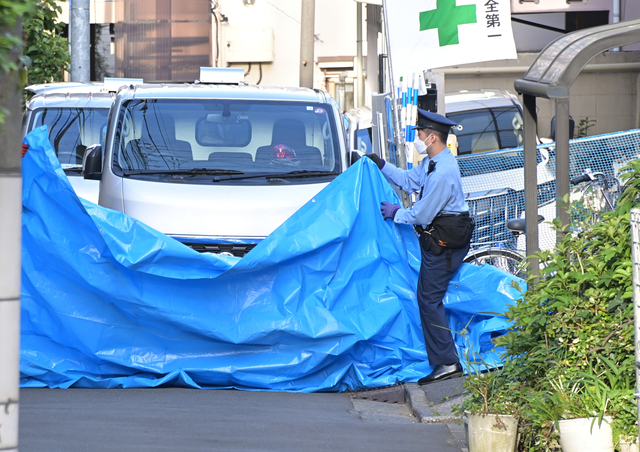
(174, 419)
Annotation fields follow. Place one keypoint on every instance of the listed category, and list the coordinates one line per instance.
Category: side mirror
(354, 157)
(92, 162)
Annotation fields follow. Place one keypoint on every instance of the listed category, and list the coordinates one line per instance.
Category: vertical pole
(80, 68)
(373, 28)
(562, 158)
(307, 32)
(635, 263)
(10, 244)
(360, 59)
(531, 180)
(399, 140)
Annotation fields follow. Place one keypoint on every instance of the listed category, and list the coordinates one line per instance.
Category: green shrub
(571, 348)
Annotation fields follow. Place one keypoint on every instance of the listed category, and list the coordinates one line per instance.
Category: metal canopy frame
(551, 76)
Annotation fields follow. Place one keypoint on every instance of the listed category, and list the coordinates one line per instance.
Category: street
(70, 420)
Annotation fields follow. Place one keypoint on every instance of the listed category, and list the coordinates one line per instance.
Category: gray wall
(606, 90)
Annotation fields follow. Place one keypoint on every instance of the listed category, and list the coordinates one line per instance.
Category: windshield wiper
(194, 171)
(302, 173)
(268, 176)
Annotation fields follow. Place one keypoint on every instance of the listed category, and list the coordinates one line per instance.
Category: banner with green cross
(428, 34)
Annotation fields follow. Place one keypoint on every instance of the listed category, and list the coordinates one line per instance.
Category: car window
(487, 129)
(248, 136)
(71, 130)
(363, 140)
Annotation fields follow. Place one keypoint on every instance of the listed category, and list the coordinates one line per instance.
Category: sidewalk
(433, 404)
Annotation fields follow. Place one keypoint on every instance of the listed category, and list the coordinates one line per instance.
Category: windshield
(487, 129)
(71, 130)
(249, 137)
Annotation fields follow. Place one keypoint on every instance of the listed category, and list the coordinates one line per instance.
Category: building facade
(164, 40)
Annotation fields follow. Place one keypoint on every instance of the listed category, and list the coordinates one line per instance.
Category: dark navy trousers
(432, 286)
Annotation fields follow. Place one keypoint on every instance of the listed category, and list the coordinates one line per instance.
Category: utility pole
(10, 250)
(307, 33)
(79, 24)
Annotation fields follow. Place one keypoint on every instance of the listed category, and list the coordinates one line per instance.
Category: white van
(75, 115)
(217, 166)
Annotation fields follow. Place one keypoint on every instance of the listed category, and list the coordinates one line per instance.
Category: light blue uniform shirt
(442, 189)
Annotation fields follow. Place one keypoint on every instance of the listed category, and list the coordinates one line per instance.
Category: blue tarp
(325, 303)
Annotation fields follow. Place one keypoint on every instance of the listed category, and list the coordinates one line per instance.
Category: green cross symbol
(446, 18)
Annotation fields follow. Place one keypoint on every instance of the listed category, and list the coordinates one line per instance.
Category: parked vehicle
(488, 119)
(217, 164)
(75, 115)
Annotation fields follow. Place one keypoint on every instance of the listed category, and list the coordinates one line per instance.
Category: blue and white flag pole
(407, 118)
(413, 114)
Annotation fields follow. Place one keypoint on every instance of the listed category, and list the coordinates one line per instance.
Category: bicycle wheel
(505, 260)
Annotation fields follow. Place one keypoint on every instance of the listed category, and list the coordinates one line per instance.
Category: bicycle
(599, 195)
(593, 199)
(505, 259)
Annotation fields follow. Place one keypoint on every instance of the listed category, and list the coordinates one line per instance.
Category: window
(488, 129)
(71, 130)
(239, 135)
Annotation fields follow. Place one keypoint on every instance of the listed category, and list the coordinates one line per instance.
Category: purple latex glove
(389, 210)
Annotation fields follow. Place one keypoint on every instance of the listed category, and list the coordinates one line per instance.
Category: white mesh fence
(494, 185)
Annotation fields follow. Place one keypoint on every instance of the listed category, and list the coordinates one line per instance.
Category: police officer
(438, 182)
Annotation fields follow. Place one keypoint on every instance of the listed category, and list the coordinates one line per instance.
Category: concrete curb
(440, 410)
(428, 412)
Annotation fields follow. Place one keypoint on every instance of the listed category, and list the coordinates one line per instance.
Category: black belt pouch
(451, 231)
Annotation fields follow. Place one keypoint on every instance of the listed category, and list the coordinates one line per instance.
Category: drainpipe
(79, 24)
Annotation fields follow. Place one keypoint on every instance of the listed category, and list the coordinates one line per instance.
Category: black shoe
(442, 372)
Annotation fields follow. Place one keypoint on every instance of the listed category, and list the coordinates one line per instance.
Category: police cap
(433, 121)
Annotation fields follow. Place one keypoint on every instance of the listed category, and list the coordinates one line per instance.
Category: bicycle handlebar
(583, 178)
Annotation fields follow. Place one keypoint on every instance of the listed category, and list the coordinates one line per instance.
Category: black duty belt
(420, 229)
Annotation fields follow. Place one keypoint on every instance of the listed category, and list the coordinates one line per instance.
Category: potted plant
(491, 412)
(574, 325)
(604, 392)
(578, 415)
(586, 411)
(490, 407)
(570, 351)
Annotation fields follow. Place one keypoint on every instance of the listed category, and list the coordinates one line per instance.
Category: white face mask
(420, 146)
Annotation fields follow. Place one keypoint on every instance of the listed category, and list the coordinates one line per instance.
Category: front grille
(235, 249)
